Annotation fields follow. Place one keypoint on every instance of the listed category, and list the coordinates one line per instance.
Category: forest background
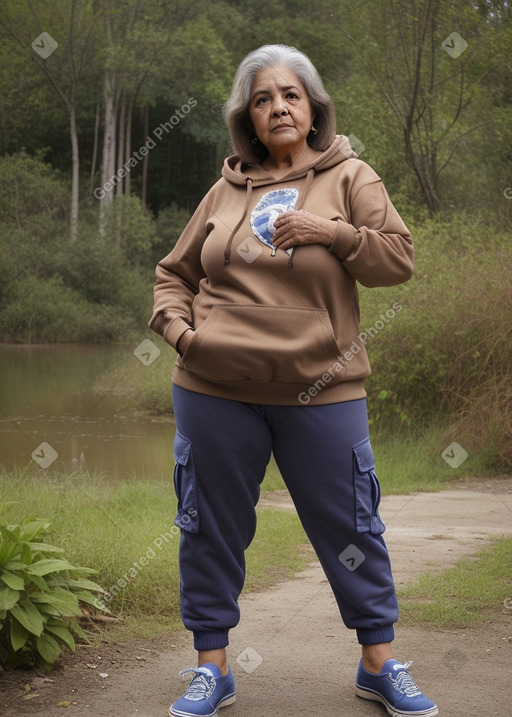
(111, 131)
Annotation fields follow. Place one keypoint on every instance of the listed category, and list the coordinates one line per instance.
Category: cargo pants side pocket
(366, 490)
(187, 517)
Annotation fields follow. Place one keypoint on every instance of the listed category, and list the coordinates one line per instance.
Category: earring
(254, 141)
(313, 129)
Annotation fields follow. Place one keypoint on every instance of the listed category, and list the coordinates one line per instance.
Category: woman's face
(280, 109)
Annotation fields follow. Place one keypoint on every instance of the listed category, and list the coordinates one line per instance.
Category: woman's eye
(292, 95)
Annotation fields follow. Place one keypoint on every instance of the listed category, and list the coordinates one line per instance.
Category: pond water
(51, 412)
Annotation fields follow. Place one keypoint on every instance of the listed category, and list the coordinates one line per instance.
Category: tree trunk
(121, 146)
(109, 151)
(94, 159)
(75, 184)
(427, 191)
(128, 148)
(146, 160)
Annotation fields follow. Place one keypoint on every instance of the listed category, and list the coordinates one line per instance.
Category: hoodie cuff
(346, 240)
(170, 329)
(175, 330)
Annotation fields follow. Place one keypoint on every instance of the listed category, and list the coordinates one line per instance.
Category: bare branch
(456, 144)
(392, 104)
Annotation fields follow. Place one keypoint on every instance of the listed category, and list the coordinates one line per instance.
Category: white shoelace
(201, 686)
(404, 683)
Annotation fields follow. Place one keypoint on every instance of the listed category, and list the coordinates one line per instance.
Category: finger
(290, 222)
(283, 218)
(285, 245)
(283, 235)
(284, 228)
(279, 234)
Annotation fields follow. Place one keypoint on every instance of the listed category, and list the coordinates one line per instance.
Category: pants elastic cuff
(374, 636)
(210, 640)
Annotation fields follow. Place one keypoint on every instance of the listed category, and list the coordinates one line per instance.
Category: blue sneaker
(396, 689)
(207, 690)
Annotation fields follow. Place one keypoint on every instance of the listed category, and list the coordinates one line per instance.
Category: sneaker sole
(225, 702)
(375, 697)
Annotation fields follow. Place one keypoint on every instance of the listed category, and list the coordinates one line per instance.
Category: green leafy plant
(40, 595)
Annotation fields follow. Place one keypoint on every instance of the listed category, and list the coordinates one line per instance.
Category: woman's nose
(279, 110)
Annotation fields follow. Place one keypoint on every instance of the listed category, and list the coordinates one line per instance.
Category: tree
(74, 24)
(137, 37)
(425, 60)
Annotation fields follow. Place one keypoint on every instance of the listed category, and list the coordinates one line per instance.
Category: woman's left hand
(296, 228)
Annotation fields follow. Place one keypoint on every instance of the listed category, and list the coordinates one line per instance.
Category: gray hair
(236, 109)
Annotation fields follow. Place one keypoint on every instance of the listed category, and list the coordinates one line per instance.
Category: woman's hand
(183, 341)
(296, 228)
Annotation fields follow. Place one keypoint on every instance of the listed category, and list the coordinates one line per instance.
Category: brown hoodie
(280, 329)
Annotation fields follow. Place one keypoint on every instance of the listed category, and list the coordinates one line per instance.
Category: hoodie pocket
(263, 344)
(366, 490)
(187, 517)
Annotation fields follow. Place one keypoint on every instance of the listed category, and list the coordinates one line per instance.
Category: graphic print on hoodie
(264, 214)
(268, 330)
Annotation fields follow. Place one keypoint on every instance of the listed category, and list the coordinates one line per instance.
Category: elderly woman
(259, 300)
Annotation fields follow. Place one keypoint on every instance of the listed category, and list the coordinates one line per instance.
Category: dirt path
(292, 656)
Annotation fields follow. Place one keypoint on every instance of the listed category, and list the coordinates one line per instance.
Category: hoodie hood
(262, 332)
(339, 151)
(239, 173)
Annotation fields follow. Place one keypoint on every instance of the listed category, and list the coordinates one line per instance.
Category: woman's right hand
(183, 341)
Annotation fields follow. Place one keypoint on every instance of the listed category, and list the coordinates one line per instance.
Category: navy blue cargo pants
(221, 449)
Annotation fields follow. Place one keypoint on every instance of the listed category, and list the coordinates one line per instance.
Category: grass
(407, 460)
(146, 389)
(113, 526)
(413, 462)
(408, 457)
(406, 464)
(471, 591)
(126, 532)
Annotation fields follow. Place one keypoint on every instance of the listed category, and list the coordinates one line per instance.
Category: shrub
(130, 228)
(31, 191)
(40, 596)
(170, 223)
(483, 424)
(97, 288)
(445, 357)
